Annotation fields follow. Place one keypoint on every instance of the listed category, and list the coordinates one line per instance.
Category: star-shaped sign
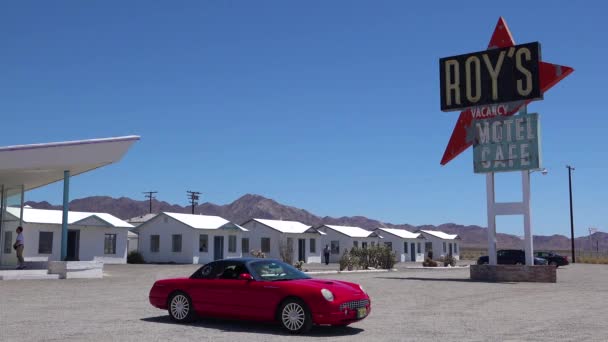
(550, 75)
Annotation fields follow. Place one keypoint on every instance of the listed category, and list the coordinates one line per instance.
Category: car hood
(338, 288)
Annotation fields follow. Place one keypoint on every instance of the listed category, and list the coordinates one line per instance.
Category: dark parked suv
(511, 257)
(553, 259)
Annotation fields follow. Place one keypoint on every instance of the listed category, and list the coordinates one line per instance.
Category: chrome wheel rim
(180, 307)
(293, 316)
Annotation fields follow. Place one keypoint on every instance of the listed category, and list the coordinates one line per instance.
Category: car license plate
(361, 312)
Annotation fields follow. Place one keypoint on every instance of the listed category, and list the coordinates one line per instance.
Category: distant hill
(256, 206)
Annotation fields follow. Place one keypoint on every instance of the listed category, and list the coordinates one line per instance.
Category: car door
(200, 288)
(228, 295)
(263, 297)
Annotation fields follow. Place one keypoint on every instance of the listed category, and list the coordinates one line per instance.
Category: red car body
(251, 296)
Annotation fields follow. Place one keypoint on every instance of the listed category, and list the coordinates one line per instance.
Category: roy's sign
(506, 144)
(491, 76)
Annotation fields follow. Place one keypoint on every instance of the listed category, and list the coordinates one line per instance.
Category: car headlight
(327, 295)
(362, 289)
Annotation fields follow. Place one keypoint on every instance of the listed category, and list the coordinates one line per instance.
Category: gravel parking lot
(408, 305)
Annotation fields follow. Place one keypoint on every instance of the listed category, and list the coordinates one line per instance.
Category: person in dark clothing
(326, 252)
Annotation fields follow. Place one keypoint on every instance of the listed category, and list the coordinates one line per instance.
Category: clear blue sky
(331, 106)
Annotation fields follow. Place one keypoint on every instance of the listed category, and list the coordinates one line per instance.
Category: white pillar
(528, 242)
(491, 218)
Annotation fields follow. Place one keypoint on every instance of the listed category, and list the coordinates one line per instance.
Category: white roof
(47, 216)
(355, 232)
(204, 221)
(285, 226)
(36, 165)
(440, 235)
(402, 233)
(141, 218)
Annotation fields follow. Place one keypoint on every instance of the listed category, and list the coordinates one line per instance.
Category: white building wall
(400, 250)
(132, 244)
(201, 257)
(165, 227)
(438, 250)
(91, 243)
(257, 231)
(344, 241)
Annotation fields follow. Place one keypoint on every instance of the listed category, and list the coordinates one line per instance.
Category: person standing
(326, 252)
(19, 245)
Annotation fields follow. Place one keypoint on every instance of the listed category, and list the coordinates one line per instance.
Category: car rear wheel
(295, 316)
(554, 263)
(180, 308)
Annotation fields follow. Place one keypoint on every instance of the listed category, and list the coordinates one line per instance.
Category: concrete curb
(349, 272)
(437, 268)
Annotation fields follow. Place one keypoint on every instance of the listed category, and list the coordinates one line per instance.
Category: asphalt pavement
(408, 305)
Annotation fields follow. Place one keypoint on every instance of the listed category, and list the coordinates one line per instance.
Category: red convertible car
(261, 290)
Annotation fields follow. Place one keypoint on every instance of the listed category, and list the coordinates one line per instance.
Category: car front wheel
(295, 316)
(180, 308)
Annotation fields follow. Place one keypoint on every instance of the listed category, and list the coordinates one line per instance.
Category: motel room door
(73, 245)
(302, 250)
(413, 252)
(218, 247)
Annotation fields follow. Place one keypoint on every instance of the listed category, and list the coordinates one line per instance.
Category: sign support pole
(491, 218)
(528, 242)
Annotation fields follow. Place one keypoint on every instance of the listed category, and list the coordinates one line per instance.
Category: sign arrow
(550, 75)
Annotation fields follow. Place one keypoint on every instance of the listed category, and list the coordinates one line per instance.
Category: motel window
(8, 242)
(428, 246)
(419, 248)
(335, 247)
(444, 248)
(364, 245)
(455, 249)
(203, 243)
(231, 243)
(313, 245)
(154, 243)
(176, 243)
(389, 245)
(45, 243)
(109, 244)
(165, 219)
(373, 243)
(405, 247)
(265, 244)
(356, 244)
(245, 245)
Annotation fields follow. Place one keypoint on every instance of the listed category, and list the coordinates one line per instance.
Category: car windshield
(275, 270)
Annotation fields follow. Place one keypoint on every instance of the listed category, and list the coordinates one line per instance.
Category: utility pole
(193, 197)
(570, 169)
(150, 196)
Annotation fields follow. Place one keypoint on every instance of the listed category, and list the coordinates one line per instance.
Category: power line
(150, 195)
(193, 197)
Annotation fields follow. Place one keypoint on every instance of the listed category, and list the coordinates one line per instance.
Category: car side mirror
(245, 276)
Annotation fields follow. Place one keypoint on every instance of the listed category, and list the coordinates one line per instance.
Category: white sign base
(509, 208)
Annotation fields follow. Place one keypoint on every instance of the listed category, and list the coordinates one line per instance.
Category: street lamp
(570, 169)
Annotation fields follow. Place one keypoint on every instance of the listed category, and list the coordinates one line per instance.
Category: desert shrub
(256, 253)
(286, 251)
(429, 263)
(344, 259)
(134, 257)
(299, 264)
(449, 260)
